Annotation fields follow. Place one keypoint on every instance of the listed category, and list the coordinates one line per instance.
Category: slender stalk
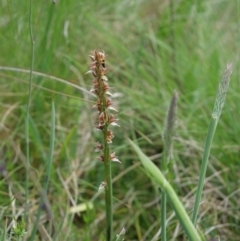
(163, 216)
(164, 169)
(172, 196)
(108, 193)
(27, 112)
(219, 103)
(167, 154)
(210, 135)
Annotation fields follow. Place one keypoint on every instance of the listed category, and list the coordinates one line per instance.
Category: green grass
(137, 38)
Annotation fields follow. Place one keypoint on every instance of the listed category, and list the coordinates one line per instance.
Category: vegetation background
(152, 48)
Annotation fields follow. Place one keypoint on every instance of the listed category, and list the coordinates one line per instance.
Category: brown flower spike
(101, 90)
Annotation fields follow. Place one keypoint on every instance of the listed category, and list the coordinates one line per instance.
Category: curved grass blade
(172, 196)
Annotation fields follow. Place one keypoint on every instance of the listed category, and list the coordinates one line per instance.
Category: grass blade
(172, 196)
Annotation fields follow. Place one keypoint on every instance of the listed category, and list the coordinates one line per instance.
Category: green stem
(219, 103)
(164, 197)
(163, 216)
(108, 190)
(166, 158)
(210, 135)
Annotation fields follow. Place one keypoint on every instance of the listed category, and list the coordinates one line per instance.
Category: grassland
(152, 48)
